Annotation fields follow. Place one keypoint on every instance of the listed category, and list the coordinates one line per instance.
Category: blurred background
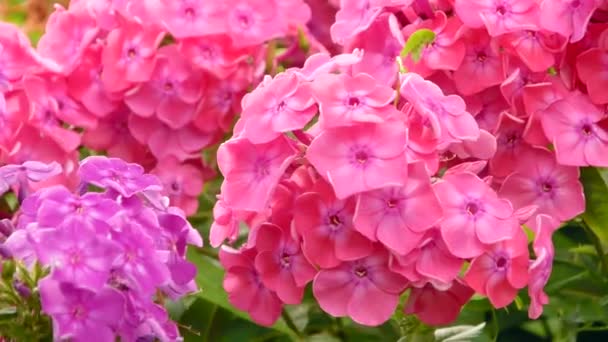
(31, 15)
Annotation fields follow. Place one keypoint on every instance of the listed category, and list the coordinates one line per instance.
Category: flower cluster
(370, 173)
(150, 82)
(113, 256)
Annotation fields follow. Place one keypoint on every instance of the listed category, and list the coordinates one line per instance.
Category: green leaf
(596, 195)
(416, 42)
(8, 313)
(210, 277)
(460, 333)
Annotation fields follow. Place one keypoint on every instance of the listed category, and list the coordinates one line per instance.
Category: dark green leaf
(596, 194)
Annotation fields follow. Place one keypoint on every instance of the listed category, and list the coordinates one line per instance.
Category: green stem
(340, 326)
(290, 323)
(598, 246)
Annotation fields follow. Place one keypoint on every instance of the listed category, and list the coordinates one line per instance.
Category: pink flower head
(567, 17)
(325, 224)
(225, 225)
(172, 91)
(536, 49)
(540, 268)
(474, 216)
(128, 56)
(252, 172)
(539, 180)
(182, 183)
(346, 100)
(577, 129)
(192, 18)
(399, 216)
(280, 105)
(365, 289)
(591, 66)
(431, 262)
(481, 63)
(67, 35)
(245, 288)
(510, 145)
(498, 16)
(487, 107)
(446, 114)
(281, 264)
(252, 22)
(360, 158)
(501, 271)
(423, 302)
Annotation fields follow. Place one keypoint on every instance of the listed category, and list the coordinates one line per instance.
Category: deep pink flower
(280, 105)
(360, 158)
(128, 56)
(501, 271)
(215, 53)
(438, 306)
(567, 17)
(474, 216)
(225, 225)
(348, 289)
(245, 288)
(182, 183)
(252, 172)
(498, 16)
(536, 48)
(399, 216)
(281, 264)
(540, 268)
(510, 145)
(577, 129)
(252, 22)
(325, 224)
(591, 66)
(539, 180)
(446, 114)
(192, 18)
(346, 100)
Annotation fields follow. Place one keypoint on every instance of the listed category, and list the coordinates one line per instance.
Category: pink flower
(252, 171)
(430, 262)
(346, 100)
(399, 216)
(360, 158)
(325, 224)
(281, 264)
(225, 224)
(536, 49)
(67, 35)
(424, 303)
(510, 145)
(446, 114)
(128, 56)
(501, 271)
(215, 53)
(281, 105)
(591, 66)
(539, 180)
(498, 16)
(365, 289)
(482, 63)
(540, 268)
(192, 18)
(567, 17)
(252, 22)
(474, 216)
(245, 288)
(577, 130)
(172, 91)
(182, 182)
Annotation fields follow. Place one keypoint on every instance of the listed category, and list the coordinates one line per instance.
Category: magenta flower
(591, 66)
(346, 290)
(474, 215)
(567, 17)
(182, 183)
(281, 264)
(346, 100)
(499, 16)
(540, 268)
(224, 226)
(501, 271)
(360, 158)
(577, 131)
(172, 91)
(539, 180)
(245, 288)
(281, 105)
(326, 226)
(252, 171)
(423, 302)
(79, 314)
(399, 216)
(192, 18)
(510, 145)
(252, 22)
(77, 254)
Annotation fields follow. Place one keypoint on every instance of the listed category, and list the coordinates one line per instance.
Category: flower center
(482, 56)
(501, 262)
(281, 107)
(575, 3)
(360, 272)
(547, 187)
(353, 102)
(586, 129)
(168, 86)
(285, 259)
(189, 12)
(335, 221)
(391, 203)
(472, 209)
(501, 10)
(131, 53)
(361, 157)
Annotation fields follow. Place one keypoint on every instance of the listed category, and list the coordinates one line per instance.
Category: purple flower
(79, 314)
(32, 171)
(112, 173)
